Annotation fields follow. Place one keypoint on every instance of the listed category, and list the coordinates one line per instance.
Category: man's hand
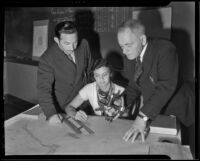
(55, 119)
(81, 116)
(138, 128)
(42, 117)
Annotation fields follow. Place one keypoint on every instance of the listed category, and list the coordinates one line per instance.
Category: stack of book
(164, 124)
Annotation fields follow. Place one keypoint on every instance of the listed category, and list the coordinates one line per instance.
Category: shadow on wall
(180, 38)
(117, 65)
(153, 24)
(85, 24)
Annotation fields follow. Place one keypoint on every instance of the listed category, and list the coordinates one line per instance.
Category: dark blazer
(158, 83)
(59, 79)
(159, 78)
(182, 104)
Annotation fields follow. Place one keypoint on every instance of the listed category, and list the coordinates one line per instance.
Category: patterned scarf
(104, 97)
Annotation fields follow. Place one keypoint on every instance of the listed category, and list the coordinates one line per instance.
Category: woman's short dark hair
(67, 27)
(101, 63)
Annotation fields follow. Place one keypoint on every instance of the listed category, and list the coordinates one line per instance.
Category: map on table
(26, 135)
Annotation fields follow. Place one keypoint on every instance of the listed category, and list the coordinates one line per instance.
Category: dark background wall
(94, 23)
(99, 25)
(97, 28)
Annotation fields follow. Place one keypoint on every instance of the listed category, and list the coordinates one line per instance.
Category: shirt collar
(143, 51)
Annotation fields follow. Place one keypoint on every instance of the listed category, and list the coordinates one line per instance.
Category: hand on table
(55, 119)
(138, 128)
(42, 117)
(81, 116)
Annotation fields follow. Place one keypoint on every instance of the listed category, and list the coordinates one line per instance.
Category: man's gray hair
(135, 25)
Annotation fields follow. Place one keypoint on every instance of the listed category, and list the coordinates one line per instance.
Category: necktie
(138, 70)
(70, 57)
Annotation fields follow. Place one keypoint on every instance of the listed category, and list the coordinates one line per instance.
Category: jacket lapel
(147, 60)
(62, 57)
(78, 60)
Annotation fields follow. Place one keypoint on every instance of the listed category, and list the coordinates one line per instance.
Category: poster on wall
(157, 21)
(40, 37)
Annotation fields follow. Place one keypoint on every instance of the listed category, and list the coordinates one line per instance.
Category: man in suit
(63, 70)
(152, 70)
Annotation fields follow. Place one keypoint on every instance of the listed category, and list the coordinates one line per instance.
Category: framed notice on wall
(40, 37)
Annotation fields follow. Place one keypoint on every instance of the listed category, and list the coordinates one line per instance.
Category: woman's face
(102, 77)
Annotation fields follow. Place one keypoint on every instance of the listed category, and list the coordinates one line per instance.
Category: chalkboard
(19, 30)
(19, 25)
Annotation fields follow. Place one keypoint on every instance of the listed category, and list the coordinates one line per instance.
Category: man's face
(102, 77)
(68, 42)
(131, 43)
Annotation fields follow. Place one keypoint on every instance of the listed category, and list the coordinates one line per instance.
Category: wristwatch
(145, 118)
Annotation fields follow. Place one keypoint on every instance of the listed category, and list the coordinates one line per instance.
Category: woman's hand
(81, 116)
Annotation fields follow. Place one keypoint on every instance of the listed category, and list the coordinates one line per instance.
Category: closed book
(164, 124)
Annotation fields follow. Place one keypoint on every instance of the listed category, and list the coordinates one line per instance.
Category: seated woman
(102, 94)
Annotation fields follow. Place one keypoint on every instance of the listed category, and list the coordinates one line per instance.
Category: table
(25, 134)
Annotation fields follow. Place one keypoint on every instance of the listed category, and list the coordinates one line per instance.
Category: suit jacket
(159, 78)
(159, 84)
(182, 104)
(59, 79)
